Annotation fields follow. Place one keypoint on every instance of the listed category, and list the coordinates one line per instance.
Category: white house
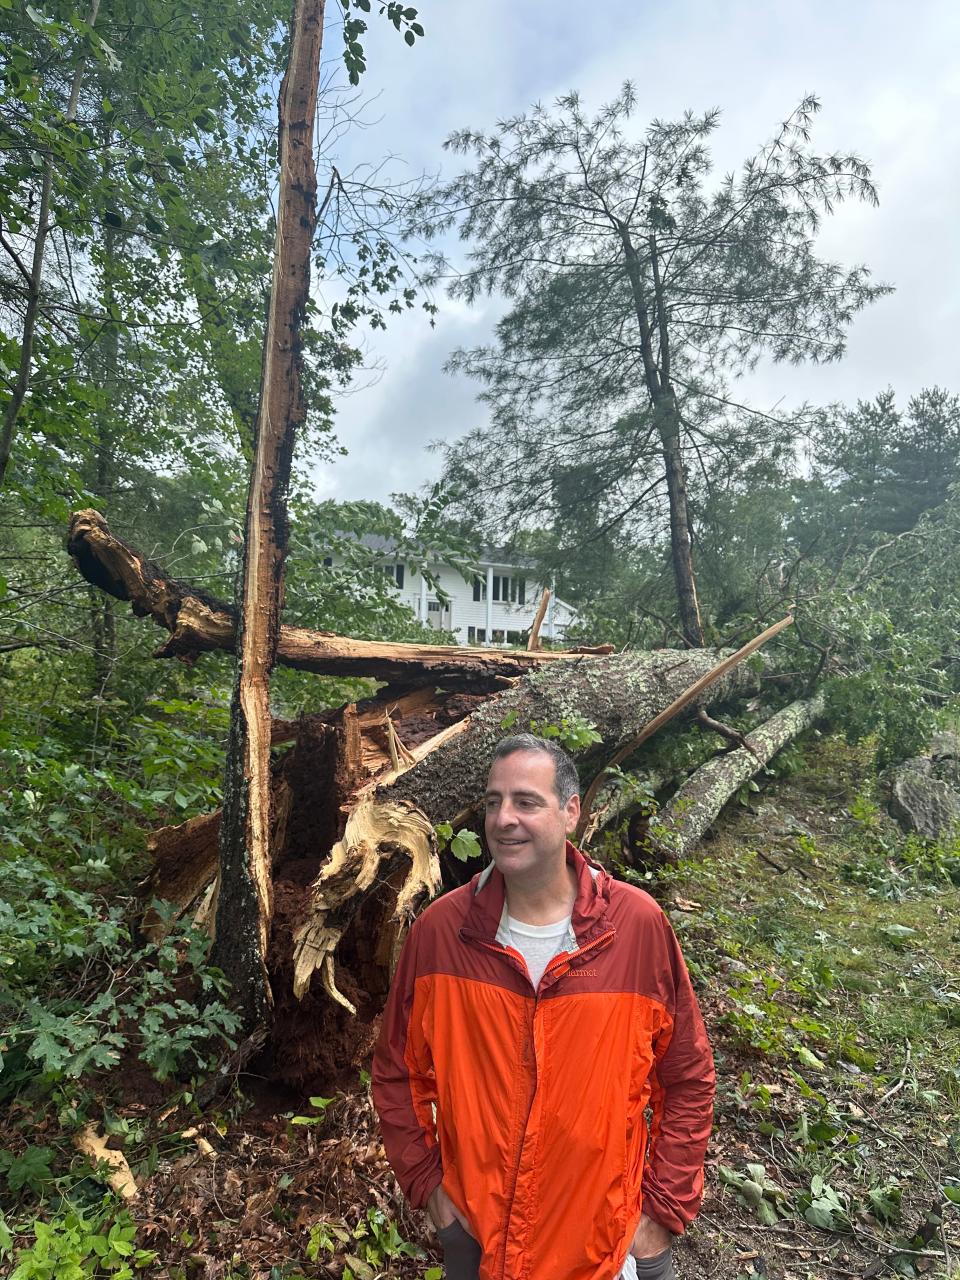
(497, 608)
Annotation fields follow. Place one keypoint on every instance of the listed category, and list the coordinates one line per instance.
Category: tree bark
(663, 400)
(106, 360)
(697, 803)
(681, 543)
(198, 622)
(244, 905)
(353, 845)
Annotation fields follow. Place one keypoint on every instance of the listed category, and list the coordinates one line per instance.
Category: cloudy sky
(888, 76)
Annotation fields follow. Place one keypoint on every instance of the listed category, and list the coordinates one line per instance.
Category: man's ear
(572, 811)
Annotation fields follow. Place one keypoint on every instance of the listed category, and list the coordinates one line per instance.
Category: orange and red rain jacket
(529, 1106)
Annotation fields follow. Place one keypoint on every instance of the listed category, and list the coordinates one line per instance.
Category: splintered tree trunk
(355, 804)
(244, 903)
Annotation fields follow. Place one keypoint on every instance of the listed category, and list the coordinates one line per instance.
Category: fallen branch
(684, 700)
(696, 804)
(199, 623)
(120, 1176)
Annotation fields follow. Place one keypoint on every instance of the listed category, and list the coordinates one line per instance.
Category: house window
(481, 635)
(394, 571)
(433, 606)
(497, 637)
(522, 591)
(328, 562)
(471, 635)
(480, 589)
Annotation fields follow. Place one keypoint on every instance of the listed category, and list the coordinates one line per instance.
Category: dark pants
(659, 1267)
(461, 1257)
(461, 1253)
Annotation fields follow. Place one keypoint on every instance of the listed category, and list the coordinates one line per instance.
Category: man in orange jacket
(535, 1014)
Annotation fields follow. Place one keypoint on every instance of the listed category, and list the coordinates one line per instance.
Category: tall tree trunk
(245, 894)
(663, 400)
(681, 545)
(106, 359)
(25, 367)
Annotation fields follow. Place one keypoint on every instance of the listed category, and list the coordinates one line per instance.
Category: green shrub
(76, 992)
(74, 1247)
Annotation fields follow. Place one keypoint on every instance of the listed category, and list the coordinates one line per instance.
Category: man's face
(526, 824)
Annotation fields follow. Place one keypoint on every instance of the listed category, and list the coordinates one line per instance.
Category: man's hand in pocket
(443, 1211)
(650, 1239)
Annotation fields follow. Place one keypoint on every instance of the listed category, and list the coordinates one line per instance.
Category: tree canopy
(639, 284)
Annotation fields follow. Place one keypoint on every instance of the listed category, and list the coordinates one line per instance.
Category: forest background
(638, 290)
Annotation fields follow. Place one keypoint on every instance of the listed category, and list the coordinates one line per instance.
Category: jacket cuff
(659, 1207)
(424, 1183)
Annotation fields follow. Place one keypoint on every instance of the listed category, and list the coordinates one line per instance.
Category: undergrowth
(829, 977)
(831, 981)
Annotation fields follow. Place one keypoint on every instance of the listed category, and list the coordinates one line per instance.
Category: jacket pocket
(659, 1267)
(461, 1252)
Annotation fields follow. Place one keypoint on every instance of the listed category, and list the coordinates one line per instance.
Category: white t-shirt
(538, 944)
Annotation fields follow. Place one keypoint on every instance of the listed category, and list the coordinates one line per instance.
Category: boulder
(923, 801)
(945, 746)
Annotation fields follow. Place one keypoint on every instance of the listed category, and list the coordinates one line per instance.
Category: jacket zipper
(566, 958)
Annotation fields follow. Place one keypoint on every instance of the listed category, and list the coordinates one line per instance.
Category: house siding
(464, 612)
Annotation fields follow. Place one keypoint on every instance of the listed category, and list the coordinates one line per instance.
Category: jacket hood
(488, 894)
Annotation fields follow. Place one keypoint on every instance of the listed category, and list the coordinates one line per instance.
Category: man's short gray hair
(566, 782)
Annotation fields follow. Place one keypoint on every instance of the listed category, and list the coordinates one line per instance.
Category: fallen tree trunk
(199, 623)
(355, 801)
(353, 845)
(695, 805)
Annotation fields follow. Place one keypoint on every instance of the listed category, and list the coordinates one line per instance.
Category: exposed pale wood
(184, 863)
(335, 936)
(669, 712)
(198, 623)
(398, 752)
(420, 753)
(375, 832)
(185, 855)
(621, 693)
(416, 700)
(534, 640)
(120, 1177)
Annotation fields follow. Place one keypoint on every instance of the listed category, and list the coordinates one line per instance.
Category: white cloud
(886, 74)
